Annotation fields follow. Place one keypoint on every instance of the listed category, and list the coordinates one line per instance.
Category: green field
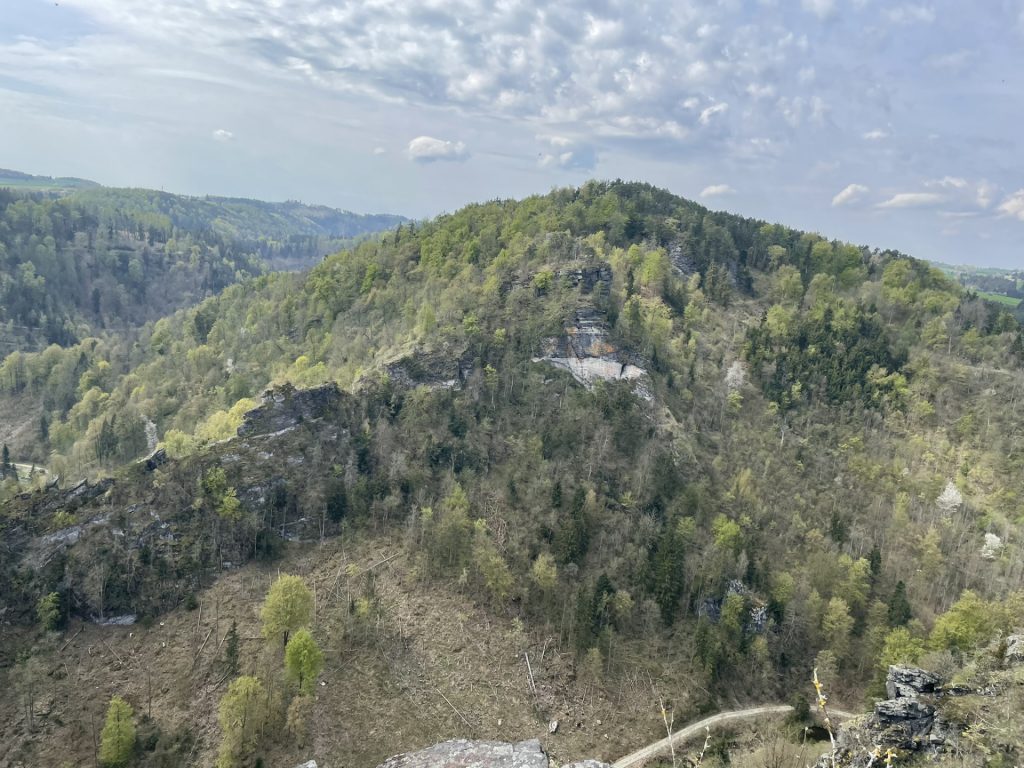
(1009, 301)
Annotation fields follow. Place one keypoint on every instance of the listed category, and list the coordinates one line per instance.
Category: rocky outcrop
(910, 682)
(284, 408)
(461, 753)
(907, 721)
(1015, 649)
(587, 279)
(586, 351)
(441, 369)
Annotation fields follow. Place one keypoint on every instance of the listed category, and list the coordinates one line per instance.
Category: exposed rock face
(442, 369)
(587, 278)
(586, 352)
(1015, 649)
(907, 721)
(461, 753)
(909, 682)
(285, 408)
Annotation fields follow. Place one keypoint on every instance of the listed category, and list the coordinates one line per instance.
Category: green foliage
(968, 623)
(303, 660)
(242, 714)
(117, 740)
(48, 611)
(287, 607)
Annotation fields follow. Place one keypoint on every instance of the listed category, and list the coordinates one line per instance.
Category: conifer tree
(117, 742)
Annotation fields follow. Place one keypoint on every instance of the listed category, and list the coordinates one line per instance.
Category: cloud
(911, 14)
(567, 154)
(1013, 206)
(222, 135)
(707, 115)
(912, 200)
(948, 182)
(875, 135)
(823, 9)
(717, 190)
(427, 149)
(849, 195)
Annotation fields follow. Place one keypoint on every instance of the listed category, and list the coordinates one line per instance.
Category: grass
(1008, 301)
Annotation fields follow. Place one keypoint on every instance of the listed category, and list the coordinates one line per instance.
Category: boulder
(1015, 649)
(461, 753)
(909, 682)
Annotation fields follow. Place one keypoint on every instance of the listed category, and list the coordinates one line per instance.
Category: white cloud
(948, 182)
(875, 135)
(911, 14)
(567, 154)
(222, 135)
(1013, 205)
(985, 194)
(820, 8)
(913, 200)
(427, 149)
(715, 109)
(850, 194)
(379, 151)
(717, 190)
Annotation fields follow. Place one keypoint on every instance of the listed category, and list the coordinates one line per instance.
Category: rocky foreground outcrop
(914, 719)
(907, 722)
(461, 753)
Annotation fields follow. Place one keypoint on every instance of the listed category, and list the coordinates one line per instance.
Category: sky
(881, 122)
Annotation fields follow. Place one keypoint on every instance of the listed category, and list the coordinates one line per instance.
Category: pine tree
(6, 467)
(231, 649)
(117, 742)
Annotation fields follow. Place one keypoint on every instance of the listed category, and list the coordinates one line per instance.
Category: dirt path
(661, 746)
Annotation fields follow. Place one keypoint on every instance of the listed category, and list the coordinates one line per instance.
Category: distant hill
(78, 261)
(26, 181)
(241, 218)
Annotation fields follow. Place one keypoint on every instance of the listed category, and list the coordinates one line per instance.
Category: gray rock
(156, 459)
(461, 753)
(909, 682)
(587, 764)
(285, 408)
(1015, 649)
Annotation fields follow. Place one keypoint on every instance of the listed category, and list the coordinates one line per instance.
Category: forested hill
(95, 260)
(649, 437)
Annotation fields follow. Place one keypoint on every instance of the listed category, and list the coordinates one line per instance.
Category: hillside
(101, 259)
(29, 182)
(681, 449)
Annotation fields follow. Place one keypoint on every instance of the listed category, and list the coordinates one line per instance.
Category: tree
(48, 611)
(7, 469)
(836, 626)
(117, 741)
(303, 660)
(242, 714)
(289, 606)
(231, 649)
(899, 606)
